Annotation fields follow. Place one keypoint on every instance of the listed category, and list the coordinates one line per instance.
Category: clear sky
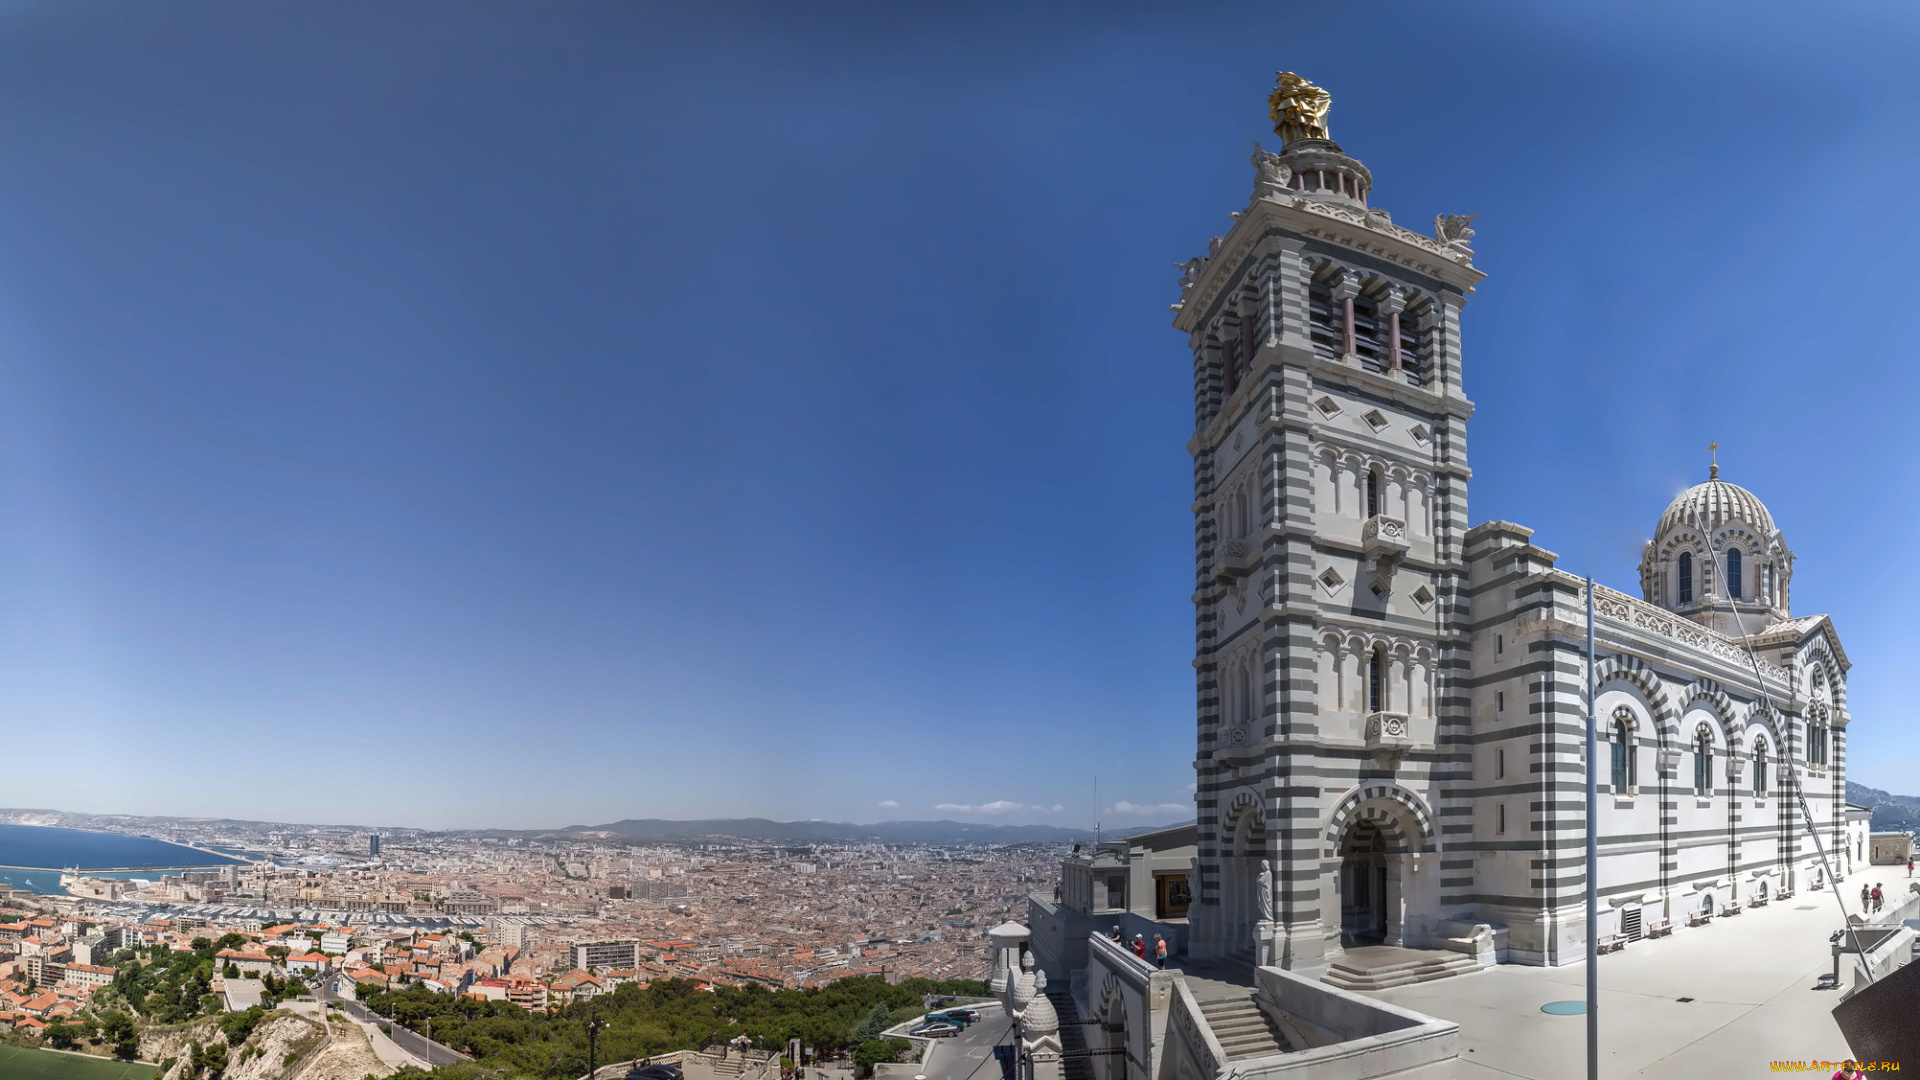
(522, 415)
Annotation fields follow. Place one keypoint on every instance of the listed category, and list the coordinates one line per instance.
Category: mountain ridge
(1891, 813)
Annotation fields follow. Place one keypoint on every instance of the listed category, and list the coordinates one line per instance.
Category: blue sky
(522, 415)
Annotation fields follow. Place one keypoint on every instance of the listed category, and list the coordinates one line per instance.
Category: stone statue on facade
(1453, 228)
(1189, 273)
(1298, 108)
(1263, 891)
(1193, 880)
(1273, 175)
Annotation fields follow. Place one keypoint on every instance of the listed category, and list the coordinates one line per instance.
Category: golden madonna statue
(1298, 108)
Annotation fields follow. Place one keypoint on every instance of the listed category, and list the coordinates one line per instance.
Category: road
(431, 1052)
(969, 1055)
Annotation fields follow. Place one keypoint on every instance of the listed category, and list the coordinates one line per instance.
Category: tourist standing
(1160, 951)
(1909, 866)
(1140, 946)
(1866, 899)
(1878, 899)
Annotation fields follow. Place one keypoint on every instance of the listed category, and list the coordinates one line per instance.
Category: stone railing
(1382, 529)
(1378, 221)
(1189, 1026)
(1618, 606)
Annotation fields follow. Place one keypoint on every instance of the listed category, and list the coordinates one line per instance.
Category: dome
(1714, 504)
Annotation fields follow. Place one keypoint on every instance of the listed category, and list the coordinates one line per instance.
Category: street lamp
(594, 1024)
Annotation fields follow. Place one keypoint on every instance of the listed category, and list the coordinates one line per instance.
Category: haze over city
(485, 416)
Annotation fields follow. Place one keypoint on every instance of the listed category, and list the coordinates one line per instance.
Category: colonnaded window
(1686, 577)
(1326, 319)
(1733, 573)
(1369, 333)
(1622, 755)
(1377, 680)
(1373, 492)
(1703, 763)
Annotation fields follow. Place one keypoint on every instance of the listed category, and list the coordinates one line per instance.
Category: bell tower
(1330, 509)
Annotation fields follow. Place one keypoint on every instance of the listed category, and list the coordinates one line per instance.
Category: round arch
(1399, 812)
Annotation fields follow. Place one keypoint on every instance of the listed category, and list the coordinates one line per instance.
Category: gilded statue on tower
(1298, 108)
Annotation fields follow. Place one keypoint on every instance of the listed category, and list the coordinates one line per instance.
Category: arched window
(1377, 680)
(1686, 577)
(1622, 756)
(1703, 763)
(1759, 769)
(1373, 492)
(1733, 573)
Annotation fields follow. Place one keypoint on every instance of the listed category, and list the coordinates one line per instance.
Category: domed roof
(1713, 504)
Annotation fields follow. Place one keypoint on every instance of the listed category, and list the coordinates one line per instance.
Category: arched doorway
(1375, 838)
(1363, 885)
(1241, 909)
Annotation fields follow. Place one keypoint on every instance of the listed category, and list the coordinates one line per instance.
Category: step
(1242, 1029)
(1387, 977)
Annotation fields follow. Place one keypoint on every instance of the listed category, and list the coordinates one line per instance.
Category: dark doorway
(1363, 886)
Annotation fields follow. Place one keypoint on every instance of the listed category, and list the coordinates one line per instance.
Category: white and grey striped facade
(1392, 706)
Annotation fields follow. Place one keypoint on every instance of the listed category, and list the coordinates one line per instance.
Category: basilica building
(1392, 703)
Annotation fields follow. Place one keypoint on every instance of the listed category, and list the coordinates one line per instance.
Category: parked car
(938, 1029)
(655, 1072)
(962, 1017)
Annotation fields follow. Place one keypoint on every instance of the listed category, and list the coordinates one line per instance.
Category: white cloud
(999, 806)
(889, 804)
(1123, 808)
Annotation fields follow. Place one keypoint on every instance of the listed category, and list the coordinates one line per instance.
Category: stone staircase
(1073, 1037)
(1242, 1029)
(1359, 971)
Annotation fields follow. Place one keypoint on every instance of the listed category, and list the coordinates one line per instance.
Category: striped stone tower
(1330, 512)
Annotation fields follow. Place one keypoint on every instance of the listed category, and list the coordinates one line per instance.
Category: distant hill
(659, 831)
(648, 830)
(1891, 813)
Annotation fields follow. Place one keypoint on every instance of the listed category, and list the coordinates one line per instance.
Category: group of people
(1140, 947)
(1871, 898)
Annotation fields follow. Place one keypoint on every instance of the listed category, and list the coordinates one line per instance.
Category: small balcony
(1383, 540)
(1233, 559)
(1387, 737)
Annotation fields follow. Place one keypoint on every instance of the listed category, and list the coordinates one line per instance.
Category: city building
(373, 846)
(606, 955)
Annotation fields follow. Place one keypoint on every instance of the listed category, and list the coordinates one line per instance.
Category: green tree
(878, 1051)
(878, 1019)
(58, 1034)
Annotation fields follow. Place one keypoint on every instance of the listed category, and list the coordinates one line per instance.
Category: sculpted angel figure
(1274, 175)
(1298, 108)
(1452, 228)
(1189, 272)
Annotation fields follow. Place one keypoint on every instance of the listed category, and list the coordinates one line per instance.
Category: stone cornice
(1370, 232)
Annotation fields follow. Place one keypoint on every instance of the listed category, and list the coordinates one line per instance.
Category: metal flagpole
(1593, 864)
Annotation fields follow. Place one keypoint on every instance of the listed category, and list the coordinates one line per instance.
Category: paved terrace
(1751, 979)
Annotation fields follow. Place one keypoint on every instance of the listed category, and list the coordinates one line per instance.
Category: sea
(46, 851)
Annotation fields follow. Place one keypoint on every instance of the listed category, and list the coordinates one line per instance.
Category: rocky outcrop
(347, 1056)
(278, 1049)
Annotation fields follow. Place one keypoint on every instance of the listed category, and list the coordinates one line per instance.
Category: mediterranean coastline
(32, 857)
